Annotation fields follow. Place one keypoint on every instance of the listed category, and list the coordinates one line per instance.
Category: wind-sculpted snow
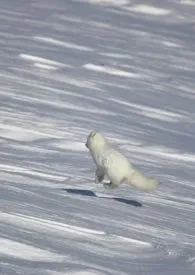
(125, 68)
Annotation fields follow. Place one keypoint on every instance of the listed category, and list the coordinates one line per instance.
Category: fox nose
(86, 145)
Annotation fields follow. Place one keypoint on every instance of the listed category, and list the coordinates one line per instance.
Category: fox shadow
(89, 193)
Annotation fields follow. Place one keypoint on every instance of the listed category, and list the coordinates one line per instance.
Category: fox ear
(92, 134)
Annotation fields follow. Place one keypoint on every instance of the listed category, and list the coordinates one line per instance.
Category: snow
(187, 2)
(109, 70)
(63, 44)
(150, 10)
(41, 60)
(108, 2)
(125, 68)
(26, 252)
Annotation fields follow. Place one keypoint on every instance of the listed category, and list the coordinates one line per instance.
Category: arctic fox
(115, 166)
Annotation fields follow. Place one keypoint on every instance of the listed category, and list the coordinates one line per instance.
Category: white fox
(115, 166)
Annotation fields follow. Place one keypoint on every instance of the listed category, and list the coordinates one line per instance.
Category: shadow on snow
(89, 193)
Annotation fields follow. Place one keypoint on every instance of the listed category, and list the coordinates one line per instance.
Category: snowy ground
(126, 68)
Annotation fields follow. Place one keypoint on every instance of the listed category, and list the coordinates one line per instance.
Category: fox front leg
(99, 175)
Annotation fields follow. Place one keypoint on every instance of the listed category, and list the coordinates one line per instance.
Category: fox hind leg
(115, 179)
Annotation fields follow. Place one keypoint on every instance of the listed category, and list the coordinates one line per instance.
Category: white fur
(115, 166)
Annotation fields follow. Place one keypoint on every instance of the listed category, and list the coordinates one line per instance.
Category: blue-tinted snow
(126, 68)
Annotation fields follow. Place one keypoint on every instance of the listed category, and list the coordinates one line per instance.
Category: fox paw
(109, 185)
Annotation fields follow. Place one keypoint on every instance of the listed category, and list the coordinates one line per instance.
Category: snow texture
(127, 69)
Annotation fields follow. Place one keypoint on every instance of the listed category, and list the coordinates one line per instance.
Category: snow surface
(126, 68)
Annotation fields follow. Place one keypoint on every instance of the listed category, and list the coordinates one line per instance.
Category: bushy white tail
(138, 180)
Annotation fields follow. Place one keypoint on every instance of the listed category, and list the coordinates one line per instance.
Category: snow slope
(126, 68)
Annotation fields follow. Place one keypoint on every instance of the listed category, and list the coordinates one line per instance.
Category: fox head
(94, 140)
